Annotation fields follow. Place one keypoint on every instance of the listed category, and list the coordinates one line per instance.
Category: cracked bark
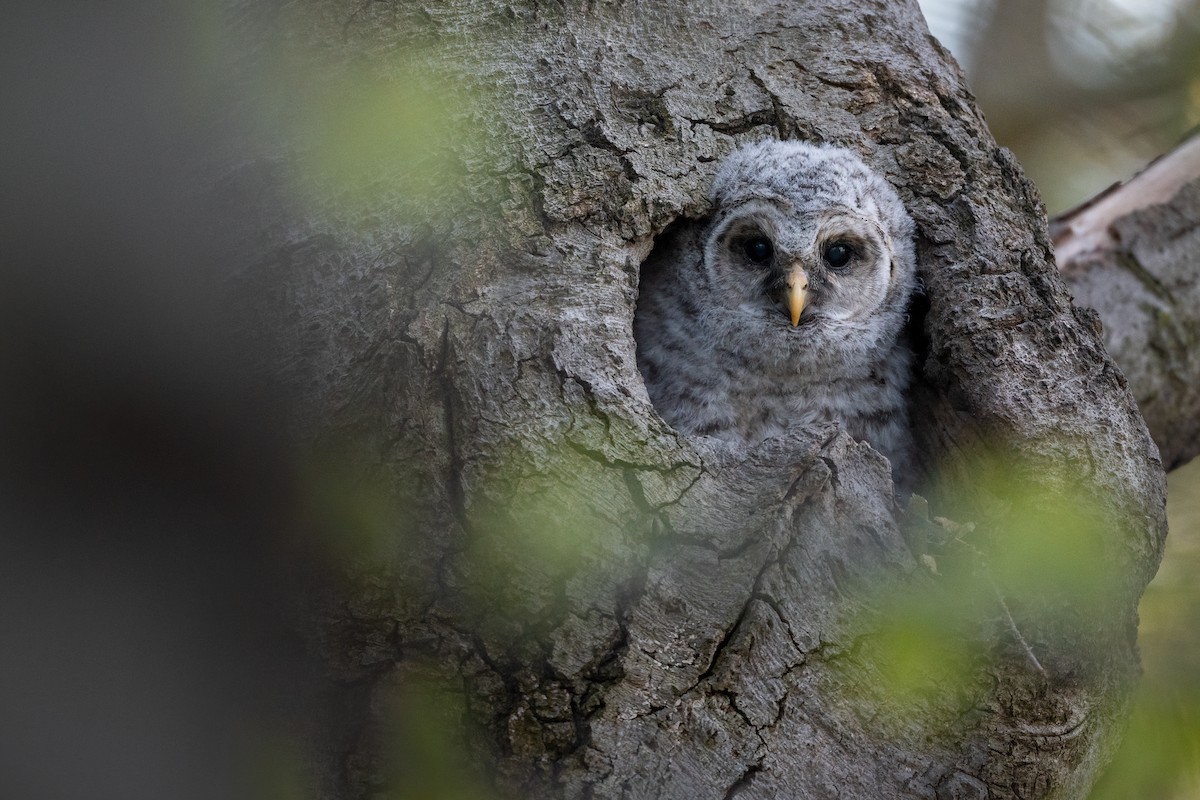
(693, 622)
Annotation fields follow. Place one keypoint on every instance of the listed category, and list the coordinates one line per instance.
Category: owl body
(786, 310)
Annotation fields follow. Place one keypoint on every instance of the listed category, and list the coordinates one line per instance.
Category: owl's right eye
(759, 249)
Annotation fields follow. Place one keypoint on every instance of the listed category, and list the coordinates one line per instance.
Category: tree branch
(1132, 253)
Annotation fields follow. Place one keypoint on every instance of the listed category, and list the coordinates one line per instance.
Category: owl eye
(759, 249)
(837, 255)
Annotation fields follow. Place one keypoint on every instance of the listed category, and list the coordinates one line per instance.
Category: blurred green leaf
(382, 142)
(424, 750)
(1160, 755)
(279, 770)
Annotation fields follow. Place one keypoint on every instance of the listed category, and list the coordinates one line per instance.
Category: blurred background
(158, 524)
(1086, 93)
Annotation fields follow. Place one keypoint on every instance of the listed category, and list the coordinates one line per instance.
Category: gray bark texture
(622, 612)
(1131, 254)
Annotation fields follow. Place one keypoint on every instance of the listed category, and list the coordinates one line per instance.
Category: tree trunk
(601, 607)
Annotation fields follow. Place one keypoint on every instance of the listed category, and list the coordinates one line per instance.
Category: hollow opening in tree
(667, 247)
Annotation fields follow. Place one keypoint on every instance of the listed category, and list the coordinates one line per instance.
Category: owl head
(807, 238)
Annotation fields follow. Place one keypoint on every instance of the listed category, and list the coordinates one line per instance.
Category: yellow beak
(797, 293)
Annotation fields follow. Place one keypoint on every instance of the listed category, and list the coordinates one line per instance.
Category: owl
(786, 309)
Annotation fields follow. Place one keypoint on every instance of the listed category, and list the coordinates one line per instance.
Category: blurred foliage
(422, 749)
(1016, 586)
(394, 144)
(387, 125)
(276, 768)
(538, 525)
(1086, 93)
(922, 659)
(1160, 757)
(358, 522)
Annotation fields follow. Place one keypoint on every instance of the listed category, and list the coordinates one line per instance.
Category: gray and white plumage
(720, 346)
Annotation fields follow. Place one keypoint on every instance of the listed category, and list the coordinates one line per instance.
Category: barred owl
(786, 309)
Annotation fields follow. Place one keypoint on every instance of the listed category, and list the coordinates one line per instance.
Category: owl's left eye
(759, 249)
(837, 255)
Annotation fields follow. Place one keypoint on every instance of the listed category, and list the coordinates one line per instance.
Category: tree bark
(1131, 254)
(623, 612)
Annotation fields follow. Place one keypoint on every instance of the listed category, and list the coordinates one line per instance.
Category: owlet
(786, 309)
